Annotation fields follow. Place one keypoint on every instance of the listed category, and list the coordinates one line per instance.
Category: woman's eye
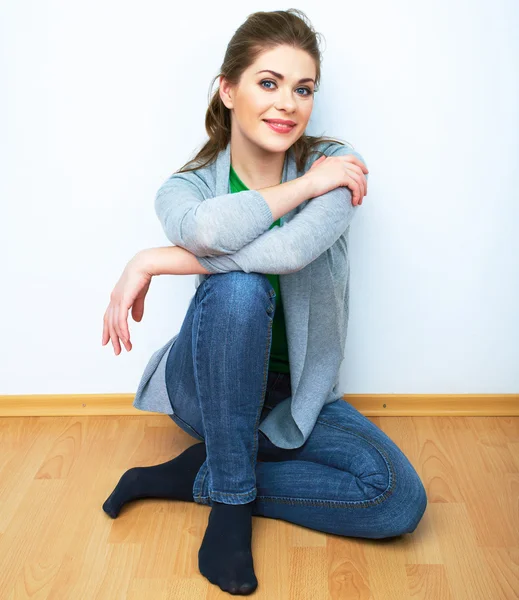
(273, 82)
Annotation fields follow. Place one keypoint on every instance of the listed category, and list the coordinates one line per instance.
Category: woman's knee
(241, 280)
(243, 288)
(415, 503)
(406, 504)
(417, 506)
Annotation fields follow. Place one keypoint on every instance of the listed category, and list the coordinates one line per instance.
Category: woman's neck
(254, 166)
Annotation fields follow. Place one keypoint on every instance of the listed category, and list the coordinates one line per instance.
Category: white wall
(98, 101)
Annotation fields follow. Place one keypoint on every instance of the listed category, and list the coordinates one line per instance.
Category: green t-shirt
(279, 349)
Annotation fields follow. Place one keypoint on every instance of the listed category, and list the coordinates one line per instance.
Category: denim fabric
(348, 478)
(216, 376)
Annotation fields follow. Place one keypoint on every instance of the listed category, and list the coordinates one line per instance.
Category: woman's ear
(225, 92)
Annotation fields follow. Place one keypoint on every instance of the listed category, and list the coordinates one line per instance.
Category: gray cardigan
(230, 232)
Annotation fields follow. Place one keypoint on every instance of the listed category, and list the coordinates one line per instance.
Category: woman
(253, 373)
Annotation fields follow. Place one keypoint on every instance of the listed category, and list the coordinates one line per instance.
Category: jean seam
(231, 494)
(195, 433)
(263, 392)
(192, 429)
(205, 465)
(200, 497)
(271, 307)
(201, 290)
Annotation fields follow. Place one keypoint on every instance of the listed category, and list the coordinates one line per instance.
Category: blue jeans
(349, 478)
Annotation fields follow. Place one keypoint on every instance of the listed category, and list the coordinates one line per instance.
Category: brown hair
(261, 31)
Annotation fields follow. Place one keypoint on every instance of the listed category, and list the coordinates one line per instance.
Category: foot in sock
(225, 556)
(173, 479)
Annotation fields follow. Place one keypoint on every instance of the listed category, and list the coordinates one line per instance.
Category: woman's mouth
(280, 128)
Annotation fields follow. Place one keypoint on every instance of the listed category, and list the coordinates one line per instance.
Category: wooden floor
(57, 543)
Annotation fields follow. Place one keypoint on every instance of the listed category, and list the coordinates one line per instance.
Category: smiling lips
(279, 127)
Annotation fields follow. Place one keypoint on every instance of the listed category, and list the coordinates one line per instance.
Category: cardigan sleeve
(301, 240)
(213, 226)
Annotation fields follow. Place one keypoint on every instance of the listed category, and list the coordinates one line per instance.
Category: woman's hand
(330, 172)
(130, 291)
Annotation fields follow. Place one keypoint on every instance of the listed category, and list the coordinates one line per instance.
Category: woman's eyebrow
(282, 77)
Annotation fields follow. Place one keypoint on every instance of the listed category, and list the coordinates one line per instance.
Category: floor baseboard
(397, 405)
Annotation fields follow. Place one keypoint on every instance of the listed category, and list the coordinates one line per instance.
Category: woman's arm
(223, 224)
(170, 260)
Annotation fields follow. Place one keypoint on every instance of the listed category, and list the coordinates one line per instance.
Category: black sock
(173, 479)
(225, 556)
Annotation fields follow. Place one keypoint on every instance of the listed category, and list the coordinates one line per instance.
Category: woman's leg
(216, 376)
(349, 478)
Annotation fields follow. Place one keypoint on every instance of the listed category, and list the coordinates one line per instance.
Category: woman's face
(260, 96)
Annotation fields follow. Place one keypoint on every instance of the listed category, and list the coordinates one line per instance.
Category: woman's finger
(118, 311)
(366, 191)
(361, 181)
(122, 322)
(115, 318)
(113, 333)
(358, 187)
(106, 335)
(351, 158)
(138, 308)
(110, 330)
(353, 185)
(352, 163)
